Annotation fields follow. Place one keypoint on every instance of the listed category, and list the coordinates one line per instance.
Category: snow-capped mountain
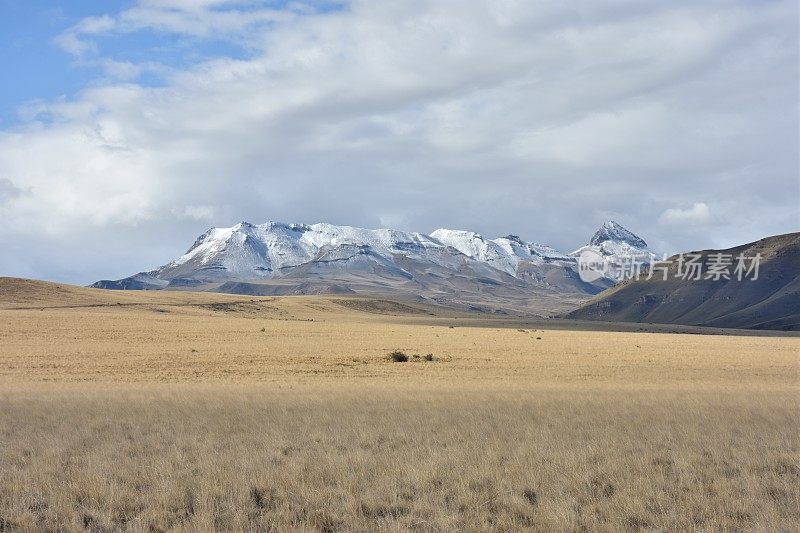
(617, 245)
(447, 265)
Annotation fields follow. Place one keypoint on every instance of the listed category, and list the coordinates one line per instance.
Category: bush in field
(398, 357)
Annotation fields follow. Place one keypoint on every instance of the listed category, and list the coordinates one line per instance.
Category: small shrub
(602, 489)
(429, 357)
(531, 496)
(398, 357)
(262, 499)
(634, 522)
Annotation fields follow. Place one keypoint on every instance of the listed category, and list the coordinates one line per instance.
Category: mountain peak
(514, 238)
(614, 231)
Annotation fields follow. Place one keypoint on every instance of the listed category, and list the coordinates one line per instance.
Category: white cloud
(601, 137)
(698, 214)
(196, 18)
(535, 118)
(195, 212)
(121, 70)
(8, 191)
(72, 40)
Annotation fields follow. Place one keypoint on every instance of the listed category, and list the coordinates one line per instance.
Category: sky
(128, 128)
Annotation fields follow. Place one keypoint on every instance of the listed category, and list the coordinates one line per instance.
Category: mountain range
(457, 268)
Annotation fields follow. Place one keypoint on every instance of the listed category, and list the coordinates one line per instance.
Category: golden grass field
(197, 412)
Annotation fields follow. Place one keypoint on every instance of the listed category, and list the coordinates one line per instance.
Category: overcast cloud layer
(678, 119)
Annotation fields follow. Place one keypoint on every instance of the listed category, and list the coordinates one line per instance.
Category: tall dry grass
(253, 458)
(200, 412)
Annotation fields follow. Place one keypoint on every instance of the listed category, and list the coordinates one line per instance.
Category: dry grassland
(180, 411)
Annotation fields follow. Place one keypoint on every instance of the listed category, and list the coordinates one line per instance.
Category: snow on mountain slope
(617, 246)
(614, 232)
(505, 253)
(476, 247)
(384, 241)
(245, 247)
(531, 251)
